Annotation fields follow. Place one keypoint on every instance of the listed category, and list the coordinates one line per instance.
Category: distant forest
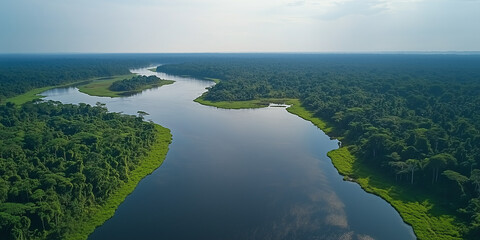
(21, 73)
(415, 118)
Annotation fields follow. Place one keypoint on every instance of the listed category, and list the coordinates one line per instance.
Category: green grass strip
(28, 96)
(415, 208)
(257, 103)
(93, 86)
(35, 93)
(215, 80)
(98, 215)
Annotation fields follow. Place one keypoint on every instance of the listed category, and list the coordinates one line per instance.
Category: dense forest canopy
(134, 83)
(57, 161)
(60, 163)
(414, 117)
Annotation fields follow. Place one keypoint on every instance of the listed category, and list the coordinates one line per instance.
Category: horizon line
(253, 52)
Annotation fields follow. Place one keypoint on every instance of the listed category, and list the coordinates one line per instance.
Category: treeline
(58, 161)
(134, 83)
(413, 117)
(21, 73)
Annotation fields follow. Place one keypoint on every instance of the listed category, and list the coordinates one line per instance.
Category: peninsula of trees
(65, 168)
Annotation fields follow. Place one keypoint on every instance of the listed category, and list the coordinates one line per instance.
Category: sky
(124, 26)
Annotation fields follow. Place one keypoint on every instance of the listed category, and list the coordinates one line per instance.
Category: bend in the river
(239, 174)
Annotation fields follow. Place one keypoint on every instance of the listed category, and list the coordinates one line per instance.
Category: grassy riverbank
(215, 80)
(257, 103)
(94, 87)
(35, 93)
(416, 208)
(97, 216)
(100, 86)
(28, 96)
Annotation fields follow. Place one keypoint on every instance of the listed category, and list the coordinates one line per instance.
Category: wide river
(238, 174)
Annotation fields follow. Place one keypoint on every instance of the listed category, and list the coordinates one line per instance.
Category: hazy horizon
(215, 26)
(286, 53)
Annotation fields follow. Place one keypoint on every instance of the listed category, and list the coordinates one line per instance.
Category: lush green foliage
(64, 169)
(255, 103)
(103, 86)
(28, 96)
(415, 118)
(99, 214)
(59, 161)
(21, 73)
(134, 83)
(100, 86)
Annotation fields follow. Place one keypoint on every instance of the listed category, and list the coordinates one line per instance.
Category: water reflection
(239, 174)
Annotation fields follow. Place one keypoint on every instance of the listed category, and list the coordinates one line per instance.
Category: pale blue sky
(57, 26)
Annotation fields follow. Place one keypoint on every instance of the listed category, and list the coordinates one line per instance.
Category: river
(238, 174)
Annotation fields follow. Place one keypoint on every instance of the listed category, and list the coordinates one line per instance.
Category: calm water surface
(239, 174)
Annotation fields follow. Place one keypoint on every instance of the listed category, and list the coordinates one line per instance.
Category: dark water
(239, 174)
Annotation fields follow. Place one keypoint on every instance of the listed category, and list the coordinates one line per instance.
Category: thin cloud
(238, 26)
(346, 8)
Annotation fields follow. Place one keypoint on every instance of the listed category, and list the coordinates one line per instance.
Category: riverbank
(257, 103)
(100, 87)
(28, 96)
(94, 87)
(97, 86)
(34, 94)
(416, 208)
(98, 215)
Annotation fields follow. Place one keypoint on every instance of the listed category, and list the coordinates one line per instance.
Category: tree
(438, 162)
(378, 143)
(412, 165)
(475, 179)
(409, 166)
(457, 177)
(399, 168)
(42, 172)
(4, 186)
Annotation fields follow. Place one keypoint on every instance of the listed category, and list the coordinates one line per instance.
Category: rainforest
(410, 120)
(407, 127)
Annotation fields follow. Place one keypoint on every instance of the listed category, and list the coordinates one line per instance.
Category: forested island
(121, 85)
(137, 84)
(64, 168)
(409, 124)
